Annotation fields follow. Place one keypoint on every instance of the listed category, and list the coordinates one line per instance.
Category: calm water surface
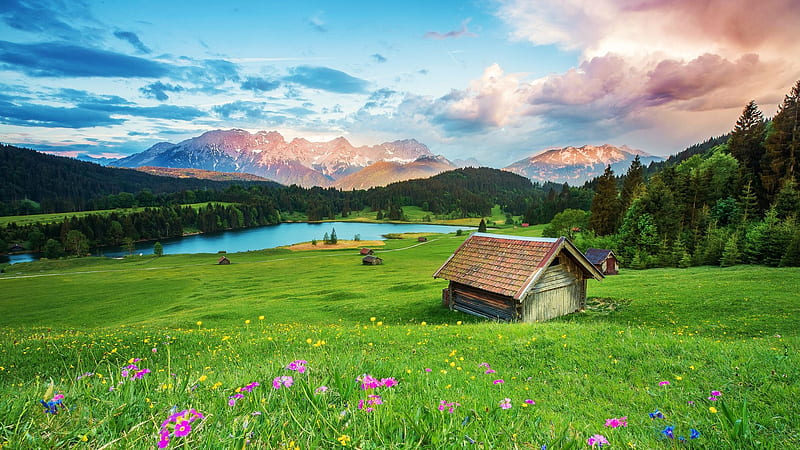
(266, 237)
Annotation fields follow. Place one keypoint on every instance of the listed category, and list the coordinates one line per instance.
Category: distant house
(422, 239)
(16, 248)
(366, 251)
(604, 260)
(224, 261)
(370, 260)
(516, 278)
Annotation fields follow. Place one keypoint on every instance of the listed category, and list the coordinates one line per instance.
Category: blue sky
(491, 80)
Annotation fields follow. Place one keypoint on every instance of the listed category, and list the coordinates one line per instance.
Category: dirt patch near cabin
(340, 244)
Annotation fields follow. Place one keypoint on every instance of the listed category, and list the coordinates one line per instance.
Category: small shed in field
(515, 278)
(223, 261)
(604, 260)
(371, 260)
(422, 239)
(366, 251)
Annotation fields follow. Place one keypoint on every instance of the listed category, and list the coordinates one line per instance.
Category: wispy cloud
(158, 90)
(260, 84)
(54, 59)
(326, 79)
(378, 58)
(317, 24)
(461, 32)
(132, 39)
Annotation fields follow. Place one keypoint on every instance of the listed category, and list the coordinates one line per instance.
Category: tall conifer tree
(783, 144)
(605, 205)
(747, 145)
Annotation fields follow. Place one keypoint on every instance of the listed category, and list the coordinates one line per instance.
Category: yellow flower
(199, 323)
(202, 378)
(372, 319)
(458, 323)
(679, 378)
(712, 409)
(380, 323)
(343, 439)
(260, 317)
(309, 341)
(247, 322)
(423, 323)
(84, 438)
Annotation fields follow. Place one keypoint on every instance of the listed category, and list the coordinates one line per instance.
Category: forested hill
(60, 184)
(472, 190)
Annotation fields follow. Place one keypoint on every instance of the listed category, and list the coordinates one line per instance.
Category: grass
(701, 329)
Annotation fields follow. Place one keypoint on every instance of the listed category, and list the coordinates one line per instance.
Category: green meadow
(152, 352)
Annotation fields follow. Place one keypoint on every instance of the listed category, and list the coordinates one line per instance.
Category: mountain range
(337, 163)
(577, 165)
(299, 161)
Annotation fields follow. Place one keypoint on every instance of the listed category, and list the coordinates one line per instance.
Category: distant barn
(604, 260)
(223, 261)
(370, 260)
(422, 239)
(366, 251)
(516, 278)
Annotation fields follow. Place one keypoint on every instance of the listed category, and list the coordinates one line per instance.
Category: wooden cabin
(223, 261)
(422, 239)
(604, 260)
(366, 251)
(515, 278)
(370, 260)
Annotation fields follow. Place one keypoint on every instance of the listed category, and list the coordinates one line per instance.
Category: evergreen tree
(747, 146)
(605, 208)
(633, 178)
(787, 202)
(334, 239)
(782, 155)
(792, 256)
(731, 254)
(748, 203)
(158, 249)
(482, 226)
(326, 239)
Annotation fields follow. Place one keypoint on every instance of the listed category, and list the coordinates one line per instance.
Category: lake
(269, 236)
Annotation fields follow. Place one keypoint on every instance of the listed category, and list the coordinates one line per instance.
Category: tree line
(736, 202)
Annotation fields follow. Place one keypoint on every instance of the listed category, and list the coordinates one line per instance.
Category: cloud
(378, 58)
(51, 116)
(54, 59)
(326, 79)
(494, 100)
(171, 112)
(45, 17)
(132, 39)
(158, 90)
(253, 111)
(317, 24)
(462, 32)
(257, 84)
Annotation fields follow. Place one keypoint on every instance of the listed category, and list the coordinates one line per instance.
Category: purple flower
(716, 393)
(298, 365)
(182, 428)
(321, 389)
(530, 402)
(668, 431)
(664, 383)
(449, 406)
(249, 387)
(656, 415)
(505, 403)
(694, 434)
(598, 439)
(368, 382)
(388, 382)
(370, 402)
(490, 371)
(498, 382)
(285, 381)
(615, 422)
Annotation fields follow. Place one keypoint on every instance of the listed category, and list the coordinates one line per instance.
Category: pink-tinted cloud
(462, 32)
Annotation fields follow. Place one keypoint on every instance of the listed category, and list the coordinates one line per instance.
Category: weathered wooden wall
(558, 292)
(482, 303)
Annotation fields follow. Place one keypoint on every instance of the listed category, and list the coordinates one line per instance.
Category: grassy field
(649, 340)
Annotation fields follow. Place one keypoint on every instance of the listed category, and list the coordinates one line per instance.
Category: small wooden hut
(371, 260)
(604, 260)
(366, 251)
(223, 261)
(422, 239)
(515, 278)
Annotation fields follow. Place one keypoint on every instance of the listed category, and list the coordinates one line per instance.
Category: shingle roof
(506, 265)
(597, 255)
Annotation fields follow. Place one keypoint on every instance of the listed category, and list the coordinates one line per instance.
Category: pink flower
(483, 364)
(663, 383)
(530, 402)
(285, 381)
(490, 371)
(370, 402)
(599, 440)
(321, 389)
(388, 382)
(716, 393)
(298, 365)
(368, 382)
(154, 351)
(498, 382)
(614, 423)
(427, 369)
(505, 403)
(449, 406)
(182, 428)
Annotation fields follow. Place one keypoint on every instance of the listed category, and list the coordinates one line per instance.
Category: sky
(493, 80)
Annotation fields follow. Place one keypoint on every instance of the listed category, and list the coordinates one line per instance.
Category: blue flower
(694, 434)
(668, 431)
(656, 415)
(51, 407)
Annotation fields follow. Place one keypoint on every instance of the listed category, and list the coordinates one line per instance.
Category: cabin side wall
(478, 302)
(560, 290)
